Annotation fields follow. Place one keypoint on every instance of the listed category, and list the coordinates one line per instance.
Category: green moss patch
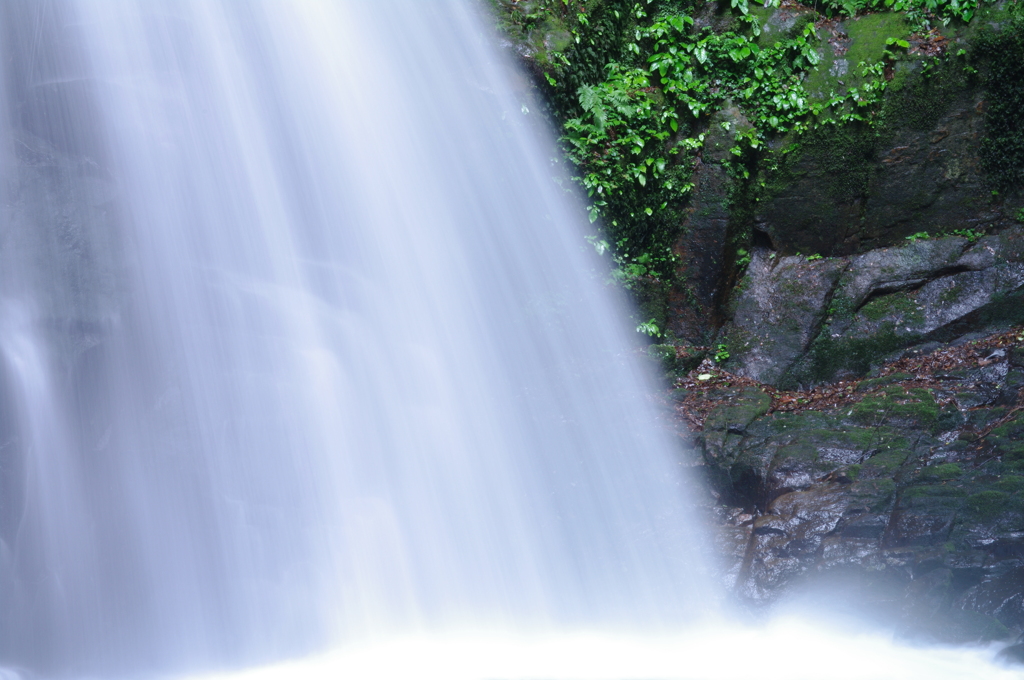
(828, 356)
(942, 472)
(899, 307)
(898, 405)
(888, 459)
(1008, 439)
(933, 491)
(1010, 484)
(985, 506)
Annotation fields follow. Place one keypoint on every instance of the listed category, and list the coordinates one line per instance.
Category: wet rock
(724, 433)
(779, 312)
(913, 408)
(787, 539)
(1013, 653)
(803, 323)
(925, 516)
(917, 492)
(694, 303)
(1001, 592)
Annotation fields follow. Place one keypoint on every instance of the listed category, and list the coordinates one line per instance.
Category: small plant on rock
(742, 259)
(971, 235)
(721, 353)
(650, 328)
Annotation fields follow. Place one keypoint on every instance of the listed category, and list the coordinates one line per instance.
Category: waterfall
(306, 369)
(301, 343)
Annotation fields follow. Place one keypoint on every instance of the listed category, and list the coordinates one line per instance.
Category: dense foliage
(638, 85)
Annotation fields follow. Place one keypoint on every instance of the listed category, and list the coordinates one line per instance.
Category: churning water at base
(785, 650)
(300, 351)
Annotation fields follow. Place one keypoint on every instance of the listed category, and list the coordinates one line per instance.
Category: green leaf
(589, 98)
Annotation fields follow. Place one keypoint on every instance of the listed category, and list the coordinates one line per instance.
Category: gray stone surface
(903, 498)
(778, 312)
(800, 322)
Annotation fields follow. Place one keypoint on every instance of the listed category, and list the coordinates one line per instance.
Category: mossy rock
(905, 407)
(986, 506)
(797, 323)
(724, 433)
(966, 501)
(834, 358)
(1008, 439)
(742, 408)
(999, 51)
(874, 495)
(898, 309)
(859, 39)
(842, 189)
(887, 461)
(1011, 484)
(942, 472)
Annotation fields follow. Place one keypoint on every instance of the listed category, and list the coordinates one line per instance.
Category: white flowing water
(300, 351)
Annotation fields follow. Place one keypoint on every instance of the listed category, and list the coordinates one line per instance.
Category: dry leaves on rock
(709, 386)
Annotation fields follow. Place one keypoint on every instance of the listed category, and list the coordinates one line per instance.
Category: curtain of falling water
(299, 343)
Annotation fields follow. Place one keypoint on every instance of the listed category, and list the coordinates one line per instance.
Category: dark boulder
(911, 485)
(800, 322)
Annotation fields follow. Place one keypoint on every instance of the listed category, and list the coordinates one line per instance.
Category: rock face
(799, 322)
(918, 168)
(778, 312)
(851, 190)
(904, 490)
(910, 486)
(703, 245)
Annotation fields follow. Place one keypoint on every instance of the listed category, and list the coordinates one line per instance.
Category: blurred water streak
(300, 345)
